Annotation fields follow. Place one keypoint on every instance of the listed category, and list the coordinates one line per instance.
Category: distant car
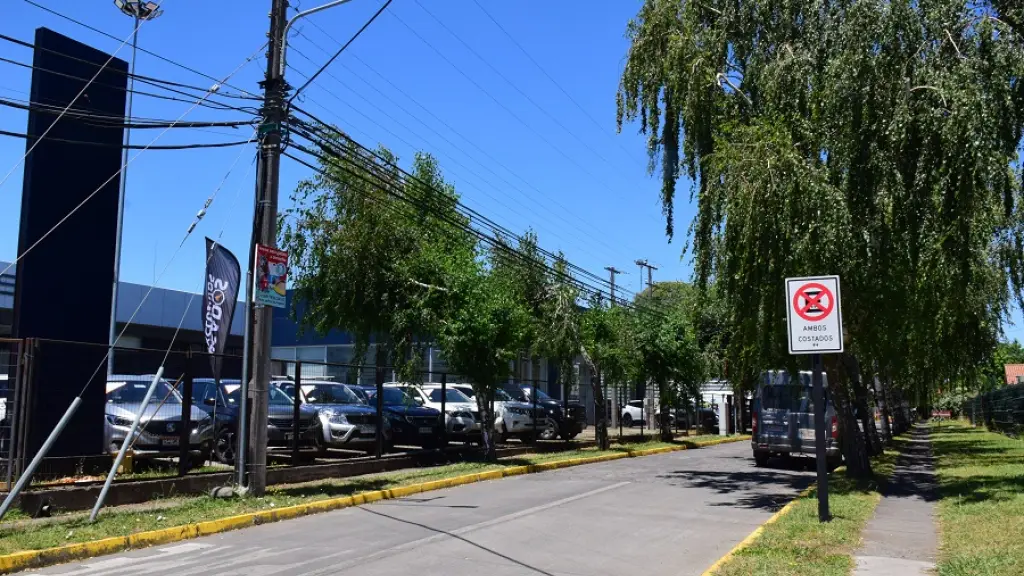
(568, 418)
(225, 405)
(462, 418)
(347, 422)
(159, 429)
(513, 417)
(411, 422)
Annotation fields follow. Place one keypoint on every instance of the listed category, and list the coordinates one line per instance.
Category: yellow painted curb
(60, 554)
(753, 536)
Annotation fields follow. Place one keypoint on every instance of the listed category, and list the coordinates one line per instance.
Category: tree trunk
(867, 417)
(665, 419)
(483, 404)
(852, 444)
(886, 426)
(600, 413)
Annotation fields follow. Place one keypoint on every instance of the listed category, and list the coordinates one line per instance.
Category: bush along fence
(1000, 410)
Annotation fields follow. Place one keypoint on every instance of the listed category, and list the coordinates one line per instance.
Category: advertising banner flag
(271, 276)
(219, 298)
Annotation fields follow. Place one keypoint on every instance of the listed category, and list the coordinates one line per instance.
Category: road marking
(406, 546)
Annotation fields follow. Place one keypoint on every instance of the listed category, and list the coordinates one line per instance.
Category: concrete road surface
(668, 514)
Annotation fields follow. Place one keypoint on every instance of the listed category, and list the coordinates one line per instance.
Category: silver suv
(159, 429)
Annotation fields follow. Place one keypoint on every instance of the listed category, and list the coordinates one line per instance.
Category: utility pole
(274, 89)
(644, 264)
(612, 271)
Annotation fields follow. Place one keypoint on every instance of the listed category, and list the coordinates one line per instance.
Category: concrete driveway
(668, 514)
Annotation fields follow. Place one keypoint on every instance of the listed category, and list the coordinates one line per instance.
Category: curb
(753, 536)
(50, 556)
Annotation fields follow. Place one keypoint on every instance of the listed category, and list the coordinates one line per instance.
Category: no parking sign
(813, 315)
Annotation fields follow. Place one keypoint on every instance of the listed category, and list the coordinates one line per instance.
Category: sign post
(815, 324)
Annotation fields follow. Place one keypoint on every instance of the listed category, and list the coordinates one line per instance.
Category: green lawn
(981, 513)
(74, 527)
(798, 545)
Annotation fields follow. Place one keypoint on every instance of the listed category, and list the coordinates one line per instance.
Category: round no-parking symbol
(814, 315)
(813, 302)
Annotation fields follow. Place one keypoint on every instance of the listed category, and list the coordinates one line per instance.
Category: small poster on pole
(270, 277)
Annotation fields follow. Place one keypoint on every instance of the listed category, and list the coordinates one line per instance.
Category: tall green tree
(874, 140)
(606, 345)
(482, 332)
(364, 260)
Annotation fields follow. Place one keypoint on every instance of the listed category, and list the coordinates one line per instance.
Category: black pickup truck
(565, 419)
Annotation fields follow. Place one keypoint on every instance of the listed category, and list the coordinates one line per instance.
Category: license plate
(368, 429)
(426, 430)
(169, 442)
(806, 434)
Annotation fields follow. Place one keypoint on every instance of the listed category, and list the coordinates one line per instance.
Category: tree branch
(429, 286)
(719, 77)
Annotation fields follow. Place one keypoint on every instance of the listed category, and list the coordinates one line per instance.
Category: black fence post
(380, 409)
(444, 405)
(296, 412)
(536, 416)
(185, 431)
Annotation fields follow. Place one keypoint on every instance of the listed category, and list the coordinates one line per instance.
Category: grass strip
(798, 545)
(981, 510)
(74, 527)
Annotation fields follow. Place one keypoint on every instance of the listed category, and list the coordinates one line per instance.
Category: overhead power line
(340, 50)
(477, 215)
(140, 49)
(394, 190)
(131, 146)
(551, 78)
(113, 121)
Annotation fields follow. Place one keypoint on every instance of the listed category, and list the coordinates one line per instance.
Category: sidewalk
(902, 538)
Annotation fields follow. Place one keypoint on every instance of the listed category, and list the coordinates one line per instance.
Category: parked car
(513, 417)
(783, 419)
(562, 424)
(225, 403)
(633, 413)
(462, 418)
(411, 422)
(159, 428)
(346, 421)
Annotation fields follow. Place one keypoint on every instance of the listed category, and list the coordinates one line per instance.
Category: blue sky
(516, 147)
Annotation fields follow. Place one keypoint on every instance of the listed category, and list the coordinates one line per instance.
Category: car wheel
(224, 447)
(760, 460)
(627, 420)
(548, 434)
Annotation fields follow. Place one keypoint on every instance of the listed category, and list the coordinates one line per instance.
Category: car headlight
(334, 417)
(119, 421)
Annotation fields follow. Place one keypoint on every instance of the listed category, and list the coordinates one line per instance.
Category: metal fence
(1001, 410)
(192, 421)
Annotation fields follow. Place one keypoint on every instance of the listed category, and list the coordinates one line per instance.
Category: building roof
(1014, 373)
(162, 307)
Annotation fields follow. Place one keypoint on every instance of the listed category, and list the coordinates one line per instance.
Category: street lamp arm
(293, 20)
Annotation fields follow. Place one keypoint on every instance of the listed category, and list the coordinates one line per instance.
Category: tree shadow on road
(767, 488)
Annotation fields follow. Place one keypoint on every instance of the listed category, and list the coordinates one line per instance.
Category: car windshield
(540, 393)
(516, 394)
(396, 397)
(277, 397)
(503, 396)
(330, 394)
(133, 392)
(450, 395)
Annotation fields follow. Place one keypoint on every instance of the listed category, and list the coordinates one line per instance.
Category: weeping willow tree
(876, 140)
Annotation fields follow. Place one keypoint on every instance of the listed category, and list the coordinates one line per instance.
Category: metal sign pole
(820, 437)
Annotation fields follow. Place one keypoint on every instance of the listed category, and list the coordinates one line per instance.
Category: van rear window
(793, 398)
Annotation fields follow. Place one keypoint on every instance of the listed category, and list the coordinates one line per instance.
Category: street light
(139, 11)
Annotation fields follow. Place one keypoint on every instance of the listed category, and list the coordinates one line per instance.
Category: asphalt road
(668, 514)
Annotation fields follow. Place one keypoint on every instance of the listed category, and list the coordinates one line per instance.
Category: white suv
(512, 418)
(461, 417)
